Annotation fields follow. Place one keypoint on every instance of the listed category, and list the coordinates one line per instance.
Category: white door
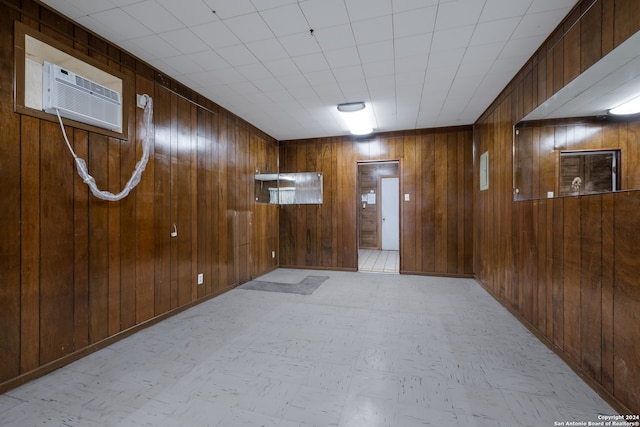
(390, 202)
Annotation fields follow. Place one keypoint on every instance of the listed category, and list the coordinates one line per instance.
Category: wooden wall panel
(30, 257)
(144, 217)
(81, 246)
(579, 293)
(626, 301)
(436, 172)
(98, 241)
(78, 272)
(590, 322)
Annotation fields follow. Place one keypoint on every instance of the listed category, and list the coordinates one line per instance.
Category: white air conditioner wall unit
(79, 98)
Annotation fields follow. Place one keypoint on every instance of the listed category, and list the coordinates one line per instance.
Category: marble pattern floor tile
(364, 349)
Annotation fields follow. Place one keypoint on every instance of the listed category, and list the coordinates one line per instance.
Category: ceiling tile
(189, 12)
(226, 76)
(292, 81)
(338, 37)
(373, 30)
(412, 79)
(183, 64)
(377, 69)
(561, 7)
(414, 22)
(184, 40)
(249, 28)
(324, 13)
(536, 24)
(237, 55)
(417, 45)
(452, 38)
(268, 50)
(360, 10)
(374, 52)
(330, 93)
(117, 25)
(104, 25)
(386, 82)
(269, 84)
(300, 44)
(229, 8)
(518, 47)
(313, 62)
(285, 20)
(318, 78)
(483, 52)
(215, 34)
(458, 13)
(254, 71)
(282, 67)
(269, 4)
(281, 96)
(156, 47)
(209, 60)
(405, 5)
(411, 64)
(349, 74)
(153, 16)
(498, 9)
(342, 57)
(447, 57)
(494, 31)
(355, 90)
(74, 11)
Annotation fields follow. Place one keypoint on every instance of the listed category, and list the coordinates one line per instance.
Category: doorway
(378, 200)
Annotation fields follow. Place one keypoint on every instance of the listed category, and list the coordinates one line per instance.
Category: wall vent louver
(80, 99)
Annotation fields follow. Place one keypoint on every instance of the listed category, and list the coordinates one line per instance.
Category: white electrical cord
(83, 171)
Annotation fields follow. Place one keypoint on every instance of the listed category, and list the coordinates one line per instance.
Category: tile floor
(363, 350)
(378, 261)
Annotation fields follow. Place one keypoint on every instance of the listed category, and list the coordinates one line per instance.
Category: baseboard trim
(72, 357)
(596, 386)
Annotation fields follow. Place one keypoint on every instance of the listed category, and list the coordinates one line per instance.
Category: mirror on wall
(300, 188)
(571, 138)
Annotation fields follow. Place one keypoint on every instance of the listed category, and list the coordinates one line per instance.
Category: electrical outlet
(200, 279)
(273, 254)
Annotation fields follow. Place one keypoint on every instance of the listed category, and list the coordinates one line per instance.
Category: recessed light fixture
(356, 118)
(630, 107)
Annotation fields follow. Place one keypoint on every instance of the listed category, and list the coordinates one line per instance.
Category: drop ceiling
(416, 63)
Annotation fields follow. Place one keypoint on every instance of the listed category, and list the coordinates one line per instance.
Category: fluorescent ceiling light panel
(356, 118)
(630, 107)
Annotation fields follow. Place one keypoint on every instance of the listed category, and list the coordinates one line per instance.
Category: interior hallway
(361, 350)
(378, 261)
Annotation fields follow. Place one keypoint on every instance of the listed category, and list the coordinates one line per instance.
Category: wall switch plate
(406, 197)
(141, 101)
(550, 194)
(273, 254)
(200, 279)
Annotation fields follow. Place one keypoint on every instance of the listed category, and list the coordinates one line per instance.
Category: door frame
(358, 203)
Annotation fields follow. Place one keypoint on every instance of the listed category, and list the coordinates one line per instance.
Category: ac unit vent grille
(80, 99)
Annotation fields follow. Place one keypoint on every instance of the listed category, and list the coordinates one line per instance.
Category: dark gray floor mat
(305, 287)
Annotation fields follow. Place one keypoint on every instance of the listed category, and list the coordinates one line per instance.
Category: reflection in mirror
(289, 188)
(588, 172)
(576, 118)
(541, 148)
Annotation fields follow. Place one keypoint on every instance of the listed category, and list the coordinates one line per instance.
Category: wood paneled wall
(77, 272)
(567, 267)
(436, 171)
(538, 146)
